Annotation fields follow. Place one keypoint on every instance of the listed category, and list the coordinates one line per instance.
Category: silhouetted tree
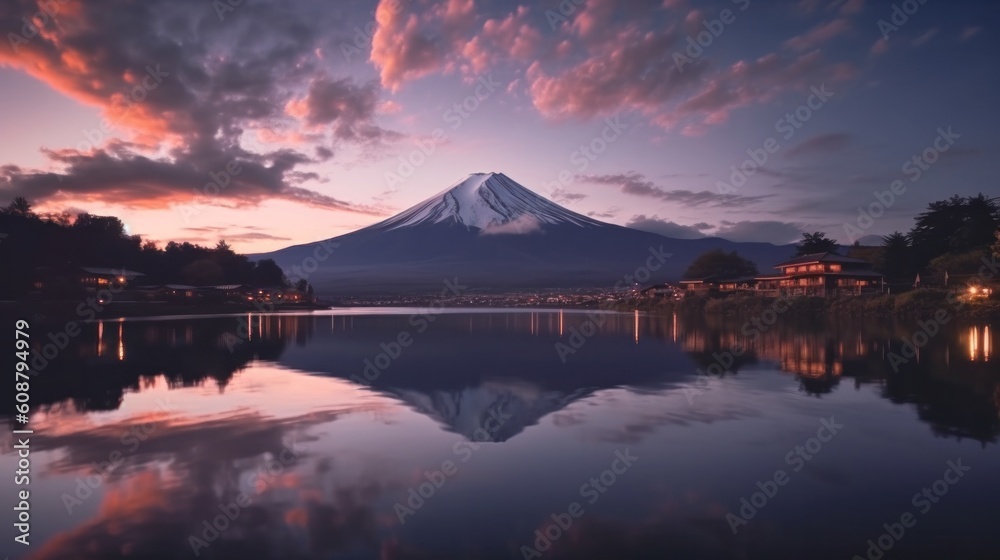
(896, 260)
(815, 243)
(268, 273)
(52, 246)
(954, 226)
(19, 207)
(203, 272)
(996, 246)
(720, 263)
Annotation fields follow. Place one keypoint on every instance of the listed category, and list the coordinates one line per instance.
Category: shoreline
(923, 304)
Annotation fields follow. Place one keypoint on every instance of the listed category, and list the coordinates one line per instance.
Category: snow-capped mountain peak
(486, 201)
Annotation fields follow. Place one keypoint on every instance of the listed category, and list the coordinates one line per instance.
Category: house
(229, 293)
(826, 274)
(96, 278)
(659, 291)
(719, 283)
(72, 281)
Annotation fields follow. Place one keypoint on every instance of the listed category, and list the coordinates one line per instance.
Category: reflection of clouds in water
(627, 416)
(182, 474)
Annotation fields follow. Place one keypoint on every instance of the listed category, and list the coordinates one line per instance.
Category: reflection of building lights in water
(636, 326)
(973, 343)
(560, 322)
(986, 344)
(100, 338)
(674, 327)
(121, 342)
(249, 328)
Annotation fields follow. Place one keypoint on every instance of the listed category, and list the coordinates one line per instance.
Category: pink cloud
(880, 47)
(399, 48)
(631, 73)
(852, 7)
(819, 35)
(970, 32)
(511, 35)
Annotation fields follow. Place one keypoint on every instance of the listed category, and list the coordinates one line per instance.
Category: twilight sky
(270, 123)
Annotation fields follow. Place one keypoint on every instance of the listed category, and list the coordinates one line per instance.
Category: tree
(896, 260)
(202, 273)
(19, 207)
(956, 225)
(996, 246)
(815, 243)
(268, 273)
(720, 263)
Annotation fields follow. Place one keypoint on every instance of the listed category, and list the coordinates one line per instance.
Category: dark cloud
(562, 195)
(775, 232)
(188, 89)
(636, 184)
(654, 224)
(820, 144)
(605, 214)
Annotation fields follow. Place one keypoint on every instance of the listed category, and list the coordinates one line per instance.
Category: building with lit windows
(822, 274)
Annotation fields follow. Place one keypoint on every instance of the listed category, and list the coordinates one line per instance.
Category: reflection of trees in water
(951, 380)
(110, 358)
(951, 383)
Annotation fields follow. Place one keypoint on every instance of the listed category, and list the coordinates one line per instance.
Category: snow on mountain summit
(487, 201)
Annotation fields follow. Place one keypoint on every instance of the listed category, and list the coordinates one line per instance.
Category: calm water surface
(475, 439)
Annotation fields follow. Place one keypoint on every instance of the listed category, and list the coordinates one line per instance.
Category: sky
(272, 123)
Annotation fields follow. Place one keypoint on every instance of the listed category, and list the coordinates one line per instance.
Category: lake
(404, 434)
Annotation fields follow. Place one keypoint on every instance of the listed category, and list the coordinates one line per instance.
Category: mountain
(492, 233)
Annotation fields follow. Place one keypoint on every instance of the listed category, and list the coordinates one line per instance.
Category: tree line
(37, 244)
(951, 236)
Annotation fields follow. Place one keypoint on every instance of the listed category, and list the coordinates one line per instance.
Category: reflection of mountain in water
(494, 411)
(464, 366)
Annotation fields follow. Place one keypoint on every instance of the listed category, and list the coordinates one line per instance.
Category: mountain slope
(484, 201)
(493, 233)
